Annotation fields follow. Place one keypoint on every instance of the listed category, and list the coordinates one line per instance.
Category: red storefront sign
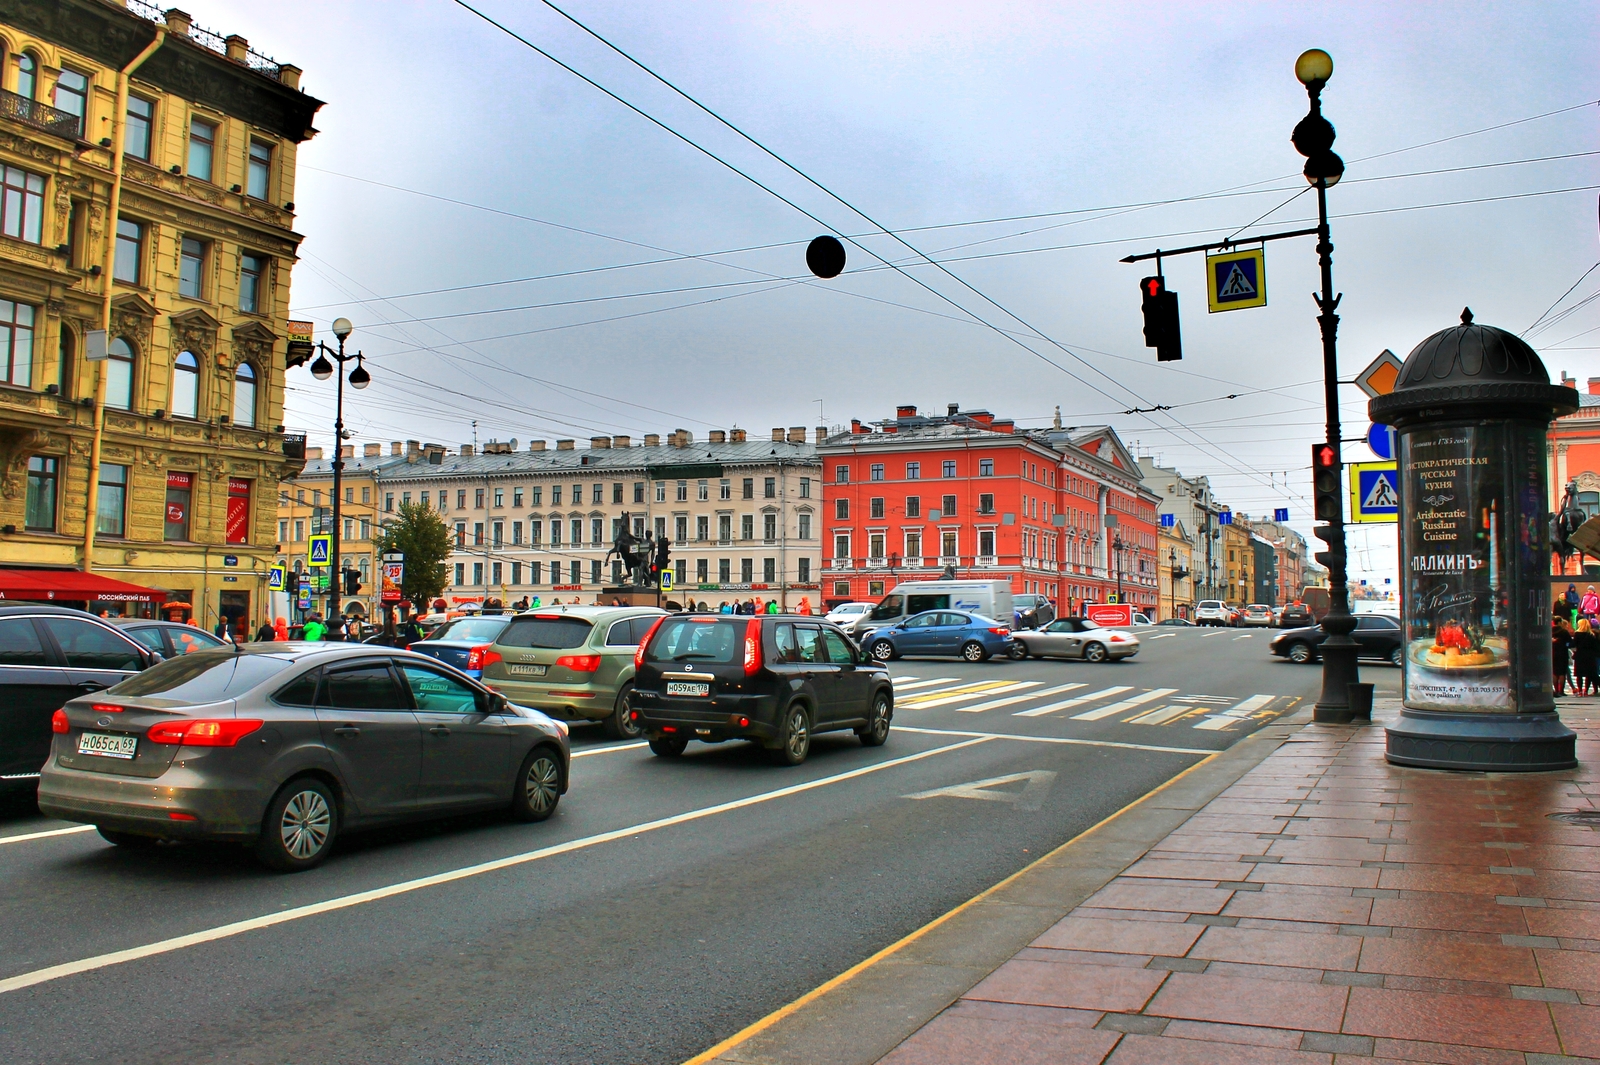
(238, 530)
(1111, 615)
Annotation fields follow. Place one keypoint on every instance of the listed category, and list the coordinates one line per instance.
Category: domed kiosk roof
(1472, 369)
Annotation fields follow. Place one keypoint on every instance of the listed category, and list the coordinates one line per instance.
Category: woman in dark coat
(1585, 659)
(1560, 653)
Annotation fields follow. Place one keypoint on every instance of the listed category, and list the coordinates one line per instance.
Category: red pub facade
(1059, 511)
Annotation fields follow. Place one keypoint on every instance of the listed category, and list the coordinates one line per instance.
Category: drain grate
(1578, 817)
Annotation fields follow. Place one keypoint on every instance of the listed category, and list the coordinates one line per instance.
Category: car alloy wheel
(1019, 651)
(1397, 657)
(541, 786)
(620, 725)
(305, 824)
(1300, 653)
(973, 651)
(1095, 652)
(796, 741)
(877, 729)
(883, 650)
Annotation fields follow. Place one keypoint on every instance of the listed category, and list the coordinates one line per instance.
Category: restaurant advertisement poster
(1456, 580)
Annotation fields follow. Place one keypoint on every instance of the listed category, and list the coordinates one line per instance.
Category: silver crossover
(285, 745)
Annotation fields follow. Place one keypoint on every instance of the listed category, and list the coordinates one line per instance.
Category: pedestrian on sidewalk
(1589, 605)
(280, 630)
(1586, 659)
(1560, 653)
(266, 633)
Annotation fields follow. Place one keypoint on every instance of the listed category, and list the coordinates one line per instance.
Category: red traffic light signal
(1326, 501)
(1324, 456)
(1161, 319)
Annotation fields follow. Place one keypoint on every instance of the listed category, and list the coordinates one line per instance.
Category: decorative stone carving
(15, 447)
(194, 330)
(134, 317)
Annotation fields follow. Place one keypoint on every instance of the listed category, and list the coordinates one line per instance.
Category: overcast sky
(928, 117)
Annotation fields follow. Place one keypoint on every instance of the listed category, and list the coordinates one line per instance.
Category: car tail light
(482, 655)
(1001, 631)
(1119, 639)
(107, 708)
(203, 732)
(59, 722)
(638, 652)
(581, 663)
(752, 647)
(174, 815)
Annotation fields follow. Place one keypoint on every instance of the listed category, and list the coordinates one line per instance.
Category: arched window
(119, 374)
(27, 75)
(244, 395)
(186, 385)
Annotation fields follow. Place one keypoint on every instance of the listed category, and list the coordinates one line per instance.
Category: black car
(775, 679)
(1176, 623)
(48, 655)
(1295, 615)
(1378, 635)
(1031, 611)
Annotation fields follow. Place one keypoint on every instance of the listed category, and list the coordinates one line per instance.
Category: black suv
(49, 654)
(775, 679)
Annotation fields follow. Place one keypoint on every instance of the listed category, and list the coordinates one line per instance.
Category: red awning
(47, 585)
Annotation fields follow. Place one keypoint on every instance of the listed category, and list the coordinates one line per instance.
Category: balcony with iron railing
(40, 116)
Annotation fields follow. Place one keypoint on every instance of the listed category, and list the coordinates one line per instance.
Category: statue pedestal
(630, 596)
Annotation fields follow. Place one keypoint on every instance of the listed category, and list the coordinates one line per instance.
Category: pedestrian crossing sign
(320, 548)
(1236, 279)
(666, 580)
(1374, 492)
(275, 579)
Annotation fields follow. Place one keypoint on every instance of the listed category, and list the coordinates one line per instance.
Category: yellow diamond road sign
(1236, 279)
(1380, 378)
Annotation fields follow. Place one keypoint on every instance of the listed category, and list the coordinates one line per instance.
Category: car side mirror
(157, 656)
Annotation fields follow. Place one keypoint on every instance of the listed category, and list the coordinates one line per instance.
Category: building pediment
(134, 304)
(195, 318)
(254, 331)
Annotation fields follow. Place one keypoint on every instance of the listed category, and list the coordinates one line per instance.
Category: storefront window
(112, 503)
(41, 506)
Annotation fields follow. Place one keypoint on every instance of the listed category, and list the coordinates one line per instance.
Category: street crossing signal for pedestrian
(1161, 319)
(1325, 482)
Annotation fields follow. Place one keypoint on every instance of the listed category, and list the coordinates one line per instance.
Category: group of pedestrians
(1575, 655)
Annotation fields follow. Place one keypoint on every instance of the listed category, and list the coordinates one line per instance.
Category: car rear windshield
(204, 676)
(469, 629)
(552, 632)
(698, 640)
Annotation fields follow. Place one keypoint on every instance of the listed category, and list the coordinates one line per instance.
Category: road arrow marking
(1029, 798)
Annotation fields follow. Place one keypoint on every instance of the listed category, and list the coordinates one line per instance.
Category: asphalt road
(668, 904)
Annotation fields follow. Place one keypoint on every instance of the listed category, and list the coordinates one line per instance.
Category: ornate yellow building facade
(197, 260)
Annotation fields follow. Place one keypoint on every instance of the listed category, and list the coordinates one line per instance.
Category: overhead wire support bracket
(1159, 252)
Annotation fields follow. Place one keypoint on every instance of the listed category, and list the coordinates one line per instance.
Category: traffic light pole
(1338, 650)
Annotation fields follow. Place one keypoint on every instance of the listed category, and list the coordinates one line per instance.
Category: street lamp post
(322, 369)
(1313, 138)
(1117, 547)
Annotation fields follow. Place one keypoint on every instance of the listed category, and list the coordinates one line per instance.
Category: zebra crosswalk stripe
(1067, 704)
(1249, 706)
(1100, 712)
(1162, 714)
(941, 699)
(898, 687)
(995, 704)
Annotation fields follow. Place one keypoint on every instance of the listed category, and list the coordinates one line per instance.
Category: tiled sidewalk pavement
(1327, 908)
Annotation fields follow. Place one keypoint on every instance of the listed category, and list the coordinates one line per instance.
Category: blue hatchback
(461, 642)
(941, 633)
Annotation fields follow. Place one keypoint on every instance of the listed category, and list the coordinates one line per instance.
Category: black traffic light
(1325, 468)
(663, 554)
(352, 582)
(1161, 319)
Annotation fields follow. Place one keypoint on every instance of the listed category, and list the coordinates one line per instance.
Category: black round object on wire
(825, 256)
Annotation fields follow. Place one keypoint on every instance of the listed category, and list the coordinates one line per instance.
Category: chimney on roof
(797, 434)
(982, 417)
(1594, 386)
(736, 436)
(289, 74)
(1005, 425)
(1568, 381)
(821, 433)
(905, 410)
(178, 22)
(347, 451)
(652, 439)
(682, 438)
(236, 48)
(535, 445)
(953, 410)
(622, 441)
(718, 436)
(777, 435)
(599, 443)
(466, 451)
(396, 448)
(413, 449)
(857, 428)
(565, 445)
(313, 453)
(371, 451)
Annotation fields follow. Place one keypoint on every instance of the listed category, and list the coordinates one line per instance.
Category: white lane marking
(343, 902)
(1206, 635)
(1129, 703)
(1030, 797)
(1164, 635)
(1212, 724)
(1202, 698)
(1066, 740)
(1161, 715)
(995, 704)
(45, 835)
(1249, 706)
(923, 684)
(1246, 636)
(897, 680)
(613, 747)
(1067, 704)
(976, 687)
(978, 693)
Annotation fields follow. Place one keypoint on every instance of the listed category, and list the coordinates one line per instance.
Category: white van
(992, 599)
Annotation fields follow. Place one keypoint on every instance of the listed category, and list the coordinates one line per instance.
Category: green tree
(422, 536)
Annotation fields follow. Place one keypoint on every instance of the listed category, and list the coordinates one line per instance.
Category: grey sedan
(284, 745)
(1077, 638)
